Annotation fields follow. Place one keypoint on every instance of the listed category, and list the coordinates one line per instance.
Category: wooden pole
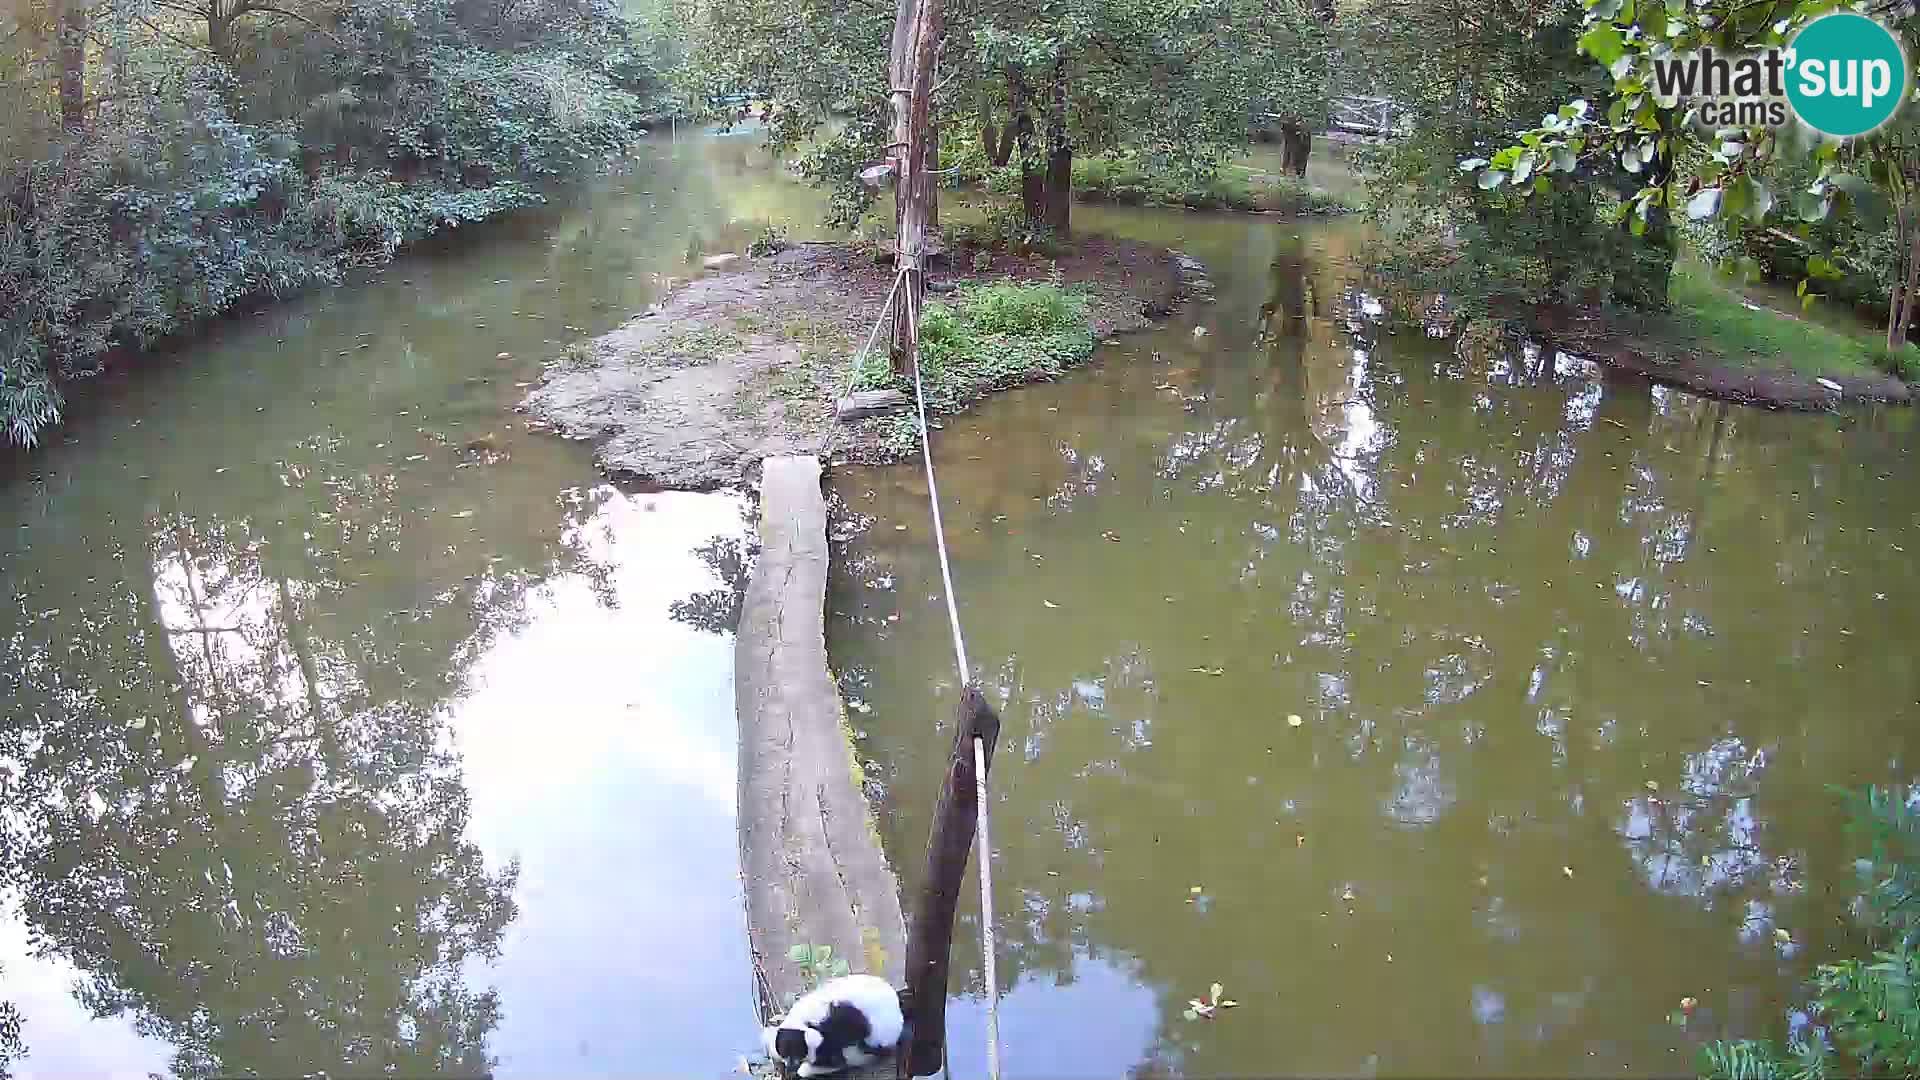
(930, 931)
(914, 191)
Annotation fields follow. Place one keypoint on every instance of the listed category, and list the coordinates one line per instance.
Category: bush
(1005, 228)
(1902, 363)
(194, 191)
(1868, 1007)
(993, 336)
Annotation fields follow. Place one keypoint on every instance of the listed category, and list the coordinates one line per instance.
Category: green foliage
(1442, 231)
(1869, 1007)
(999, 335)
(1708, 316)
(770, 240)
(818, 963)
(1177, 81)
(1902, 363)
(197, 187)
(1004, 228)
(696, 345)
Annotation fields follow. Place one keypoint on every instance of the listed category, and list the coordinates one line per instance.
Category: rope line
(859, 358)
(982, 836)
(933, 498)
(986, 911)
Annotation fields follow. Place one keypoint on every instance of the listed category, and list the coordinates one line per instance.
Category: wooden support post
(914, 191)
(930, 932)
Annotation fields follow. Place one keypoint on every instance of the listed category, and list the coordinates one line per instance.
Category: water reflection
(348, 728)
(1565, 651)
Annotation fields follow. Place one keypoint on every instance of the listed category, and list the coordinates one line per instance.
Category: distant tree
(1175, 81)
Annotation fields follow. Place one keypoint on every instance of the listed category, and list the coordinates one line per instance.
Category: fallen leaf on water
(1567, 870)
(1783, 935)
(464, 514)
(1229, 1003)
(1210, 670)
(1293, 720)
(1217, 990)
(1653, 785)
(1299, 839)
(1195, 890)
(1191, 1014)
(1050, 603)
(899, 528)
(1347, 895)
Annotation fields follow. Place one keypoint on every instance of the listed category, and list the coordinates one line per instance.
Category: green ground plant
(1867, 1007)
(993, 336)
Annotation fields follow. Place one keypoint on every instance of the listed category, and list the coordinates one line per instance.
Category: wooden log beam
(930, 935)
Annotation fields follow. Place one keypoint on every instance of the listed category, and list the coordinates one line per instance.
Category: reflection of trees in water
(730, 556)
(234, 806)
(1534, 611)
(11, 1046)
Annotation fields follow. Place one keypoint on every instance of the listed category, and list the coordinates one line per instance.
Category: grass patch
(989, 337)
(697, 344)
(751, 322)
(802, 378)
(1709, 318)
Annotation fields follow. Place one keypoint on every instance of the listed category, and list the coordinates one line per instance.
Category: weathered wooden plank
(811, 861)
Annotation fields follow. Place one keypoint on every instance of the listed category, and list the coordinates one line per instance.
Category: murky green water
(352, 727)
(1573, 661)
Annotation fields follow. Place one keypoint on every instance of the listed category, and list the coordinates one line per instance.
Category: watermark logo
(1842, 75)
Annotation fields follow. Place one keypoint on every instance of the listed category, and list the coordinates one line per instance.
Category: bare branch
(182, 42)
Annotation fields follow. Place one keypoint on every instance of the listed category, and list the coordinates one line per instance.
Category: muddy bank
(743, 364)
(1604, 340)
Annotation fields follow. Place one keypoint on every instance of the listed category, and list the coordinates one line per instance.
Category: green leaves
(818, 962)
(1604, 42)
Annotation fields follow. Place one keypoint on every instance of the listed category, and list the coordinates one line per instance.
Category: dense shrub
(1868, 1007)
(197, 186)
(993, 336)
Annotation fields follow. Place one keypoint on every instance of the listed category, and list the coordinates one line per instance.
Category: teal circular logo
(1847, 75)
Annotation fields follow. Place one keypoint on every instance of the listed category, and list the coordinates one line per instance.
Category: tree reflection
(730, 556)
(234, 806)
(1566, 649)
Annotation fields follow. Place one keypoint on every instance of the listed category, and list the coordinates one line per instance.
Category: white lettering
(1877, 83)
(1813, 77)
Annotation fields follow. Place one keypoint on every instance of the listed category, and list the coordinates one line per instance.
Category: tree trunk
(915, 190)
(1033, 196)
(1896, 298)
(933, 177)
(1913, 282)
(904, 12)
(1303, 149)
(1059, 188)
(73, 65)
(220, 34)
(989, 131)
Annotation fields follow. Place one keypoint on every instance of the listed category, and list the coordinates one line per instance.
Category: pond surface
(350, 725)
(1459, 715)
